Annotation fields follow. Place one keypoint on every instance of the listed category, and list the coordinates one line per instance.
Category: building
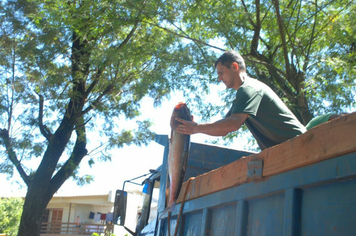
(95, 213)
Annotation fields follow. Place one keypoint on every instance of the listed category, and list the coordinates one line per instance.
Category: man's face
(226, 75)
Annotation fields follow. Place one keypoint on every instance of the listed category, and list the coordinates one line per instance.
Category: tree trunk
(291, 89)
(302, 110)
(34, 207)
(45, 182)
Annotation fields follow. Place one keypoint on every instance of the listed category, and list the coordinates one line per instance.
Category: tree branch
(79, 152)
(257, 30)
(283, 38)
(187, 37)
(43, 128)
(266, 64)
(278, 75)
(196, 42)
(128, 37)
(4, 134)
(98, 75)
(98, 99)
(108, 90)
(94, 83)
(246, 10)
(11, 102)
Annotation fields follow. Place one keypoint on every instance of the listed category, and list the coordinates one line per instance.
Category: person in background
(256, 105)
(77, 221)
(322, 119)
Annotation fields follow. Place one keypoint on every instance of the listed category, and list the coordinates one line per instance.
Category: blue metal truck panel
(204, 158)
(315, 198)
(319, 199)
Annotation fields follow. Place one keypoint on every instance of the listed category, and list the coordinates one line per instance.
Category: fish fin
(168, 209)
(171, 139)
(171, 207)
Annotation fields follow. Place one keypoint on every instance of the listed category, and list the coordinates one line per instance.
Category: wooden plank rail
(61, 228)
(328, 140)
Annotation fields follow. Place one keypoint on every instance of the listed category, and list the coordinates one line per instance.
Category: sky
(128, 162)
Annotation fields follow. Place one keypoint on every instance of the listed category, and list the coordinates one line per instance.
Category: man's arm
(219, 128)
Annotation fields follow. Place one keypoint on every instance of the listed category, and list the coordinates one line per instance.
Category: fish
(178, 154)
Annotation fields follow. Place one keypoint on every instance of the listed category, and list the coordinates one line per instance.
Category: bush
(10, 215)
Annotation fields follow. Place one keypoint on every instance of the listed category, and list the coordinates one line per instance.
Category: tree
(304, 50)
(67, 65)
(10, 214)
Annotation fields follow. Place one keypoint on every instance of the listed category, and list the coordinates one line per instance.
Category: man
(266, 116)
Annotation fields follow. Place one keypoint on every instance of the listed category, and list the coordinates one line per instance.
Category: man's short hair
(229, 57)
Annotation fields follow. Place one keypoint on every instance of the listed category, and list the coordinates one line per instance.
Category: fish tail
(172, 206)
(168, 209)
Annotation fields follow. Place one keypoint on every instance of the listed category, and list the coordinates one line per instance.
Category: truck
(303, 186)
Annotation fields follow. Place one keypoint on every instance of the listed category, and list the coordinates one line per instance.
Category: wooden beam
(331, 139)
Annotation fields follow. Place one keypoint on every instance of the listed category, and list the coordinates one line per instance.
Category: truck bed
(304, 186)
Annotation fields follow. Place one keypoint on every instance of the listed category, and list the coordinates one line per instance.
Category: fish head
(182, 111)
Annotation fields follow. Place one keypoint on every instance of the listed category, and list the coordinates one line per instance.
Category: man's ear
(235, 66)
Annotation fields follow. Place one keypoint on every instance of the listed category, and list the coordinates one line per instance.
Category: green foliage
(304, 51)
(125, 51)
(10, 214)
(134, 49)
(69, 68)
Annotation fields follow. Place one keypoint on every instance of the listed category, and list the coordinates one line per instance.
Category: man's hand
(186, 127)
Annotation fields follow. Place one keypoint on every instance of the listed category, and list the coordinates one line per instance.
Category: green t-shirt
(270, 121)
(318, 120)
